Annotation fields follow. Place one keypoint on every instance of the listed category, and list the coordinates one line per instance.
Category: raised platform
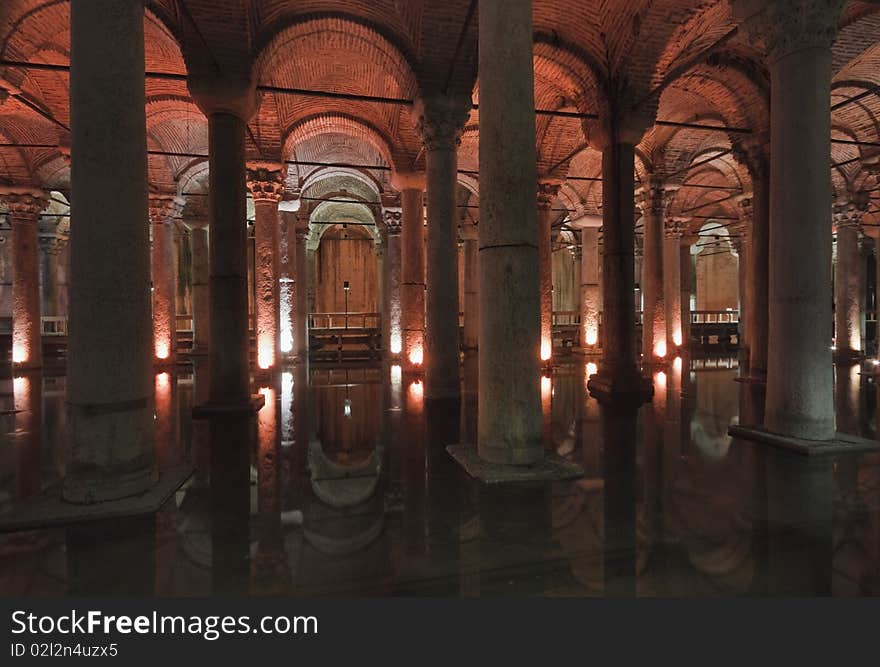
(48, 510)
(843, 443)
(552, 469)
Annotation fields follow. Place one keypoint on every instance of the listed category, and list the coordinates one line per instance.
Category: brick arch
(345, 184)
(321, 124)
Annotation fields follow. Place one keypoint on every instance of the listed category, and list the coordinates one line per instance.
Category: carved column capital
(675, 228)
(23, 204)
(162, 208)
(265, 182)
(849, 212)
(547, 192)
(440, 120)
(783, 27)
(393, 219)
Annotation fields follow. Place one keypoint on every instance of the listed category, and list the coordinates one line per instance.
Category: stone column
(618, 377)
(798, 35)
(440, 120)
(672, 288)
(653, 309)
(740, 245)
(591, 296)
(412, 286)
(547, 191)
(301, 317)
(200, 285)
(848, 297)
(266, 185)
(392, 331)
(471, 287)
(110, 389)
(24, 207)
(509, 403)
(287, 282)
(686, 279)
(228, 103)
(164, 290)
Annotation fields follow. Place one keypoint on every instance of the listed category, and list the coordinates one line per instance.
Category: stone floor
(349, 490)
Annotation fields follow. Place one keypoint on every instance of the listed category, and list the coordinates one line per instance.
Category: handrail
(714, 316)
(363, 321)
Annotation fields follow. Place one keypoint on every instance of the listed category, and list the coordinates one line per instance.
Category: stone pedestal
(162, 210)
(440, 120)
(266, 185)
(110, 391)
(24, 207)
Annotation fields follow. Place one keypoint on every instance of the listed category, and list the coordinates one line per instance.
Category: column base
(843, 443)
(552, 468)
(211, 410)
(619, 389)
(49, 509)
(163, 364)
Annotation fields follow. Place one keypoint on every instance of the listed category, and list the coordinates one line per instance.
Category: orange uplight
(162, 382)
(286, 340)
(396, 344)
(660, 380)
(416, 391)
(676, 364)
(264, 358)
(676, 338)
(546, 386)
(162, 350)
(416, 356)
(592, 336)
(660, 349)
(396, 376)
(546, 350)
(19, 353)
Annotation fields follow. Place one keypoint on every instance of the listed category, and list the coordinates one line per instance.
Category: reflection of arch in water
(350, 516)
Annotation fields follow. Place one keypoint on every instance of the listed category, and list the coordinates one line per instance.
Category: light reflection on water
(347, 489)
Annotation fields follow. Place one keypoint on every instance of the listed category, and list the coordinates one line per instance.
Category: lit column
(848, 296)
(161, 210)
(227, 103)
(110, 389)
(471, 332)
(301, 317)
(392, 332)
(547, 191)
(412, 285)
(686, 279)
(287, 282)
(740, 245)
(619, 376)
(672, 291)
(654, 309)
(266, 185)
(24, 207)
(798, 35)
(591, 296)
(440, 120)
(201, 300)
(510, 422)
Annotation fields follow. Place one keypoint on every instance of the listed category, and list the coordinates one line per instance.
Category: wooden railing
(318, 321)
(184, 322)
(566, 318)
(53, 326)
(714, 316)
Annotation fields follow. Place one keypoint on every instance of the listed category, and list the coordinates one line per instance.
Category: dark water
(348, 490)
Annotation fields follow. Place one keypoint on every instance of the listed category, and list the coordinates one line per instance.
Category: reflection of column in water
(28, 401)
(302, 429)
(392, 433)
(799, 515)
(515, 539)
(547, 410)
(231, 440)
(270, 574)
(112, 557)
(651, 543)
(414, 471)
(619, 471)
(200, 445)
(846, 390)
(442, 418)
(168, 450)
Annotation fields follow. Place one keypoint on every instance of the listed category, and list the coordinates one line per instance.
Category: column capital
(676, 228)
(746, 207)
(440, 120)
(469, 232)
(162, 207)
(196, 223)
(547, 192)
(655, 197)
(783, 27)
(23, 204)
(408, 180)
(849, 212)
(231, 94)
(51, 245)
(265, 181)
(393, 219)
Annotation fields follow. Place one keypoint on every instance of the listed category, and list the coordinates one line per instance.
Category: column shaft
(546, 194)
(163, 290)
(110, 389)
(654, 310)
(686, 277)
(591, 296)
(800, 381)
(301, 318)
(471, 294)
(230, 379)
(392, 314)
(757, 284)
(848, 292)
(412, 287)
(510, 422)
(672, 290)
(442, 373)
(200, 289)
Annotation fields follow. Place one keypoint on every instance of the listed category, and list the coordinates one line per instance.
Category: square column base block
(49, 510)
(635, 389)
(843, 443)
(552, 469)
(210, 410)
